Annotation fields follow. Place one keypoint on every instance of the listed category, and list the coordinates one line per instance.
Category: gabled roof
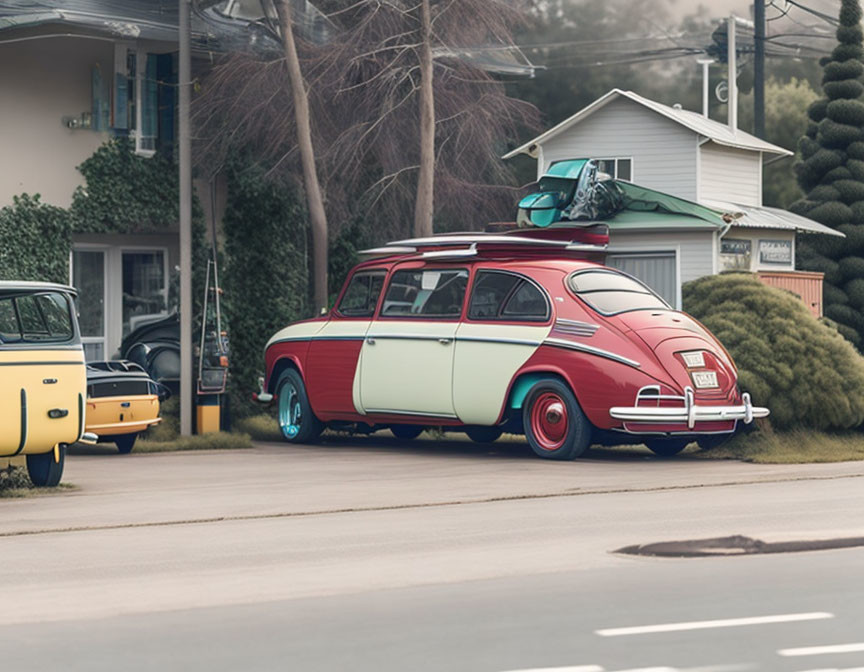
(708, 128)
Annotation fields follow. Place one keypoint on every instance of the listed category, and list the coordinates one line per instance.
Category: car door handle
(445, 341)
(370, 341)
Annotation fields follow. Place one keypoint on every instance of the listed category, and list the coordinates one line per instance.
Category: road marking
(722, 623)
(572, 668)
(820, 650)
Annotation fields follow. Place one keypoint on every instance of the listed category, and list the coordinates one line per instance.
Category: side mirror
(163, 392)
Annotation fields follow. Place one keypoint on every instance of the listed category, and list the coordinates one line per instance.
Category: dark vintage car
(523, 331)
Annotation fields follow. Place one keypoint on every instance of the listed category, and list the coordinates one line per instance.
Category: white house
(685, 154)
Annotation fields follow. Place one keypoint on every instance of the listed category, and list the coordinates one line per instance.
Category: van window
(609, 292)
(505, 296)
(426, 293)
(35, 318)
(361, 297)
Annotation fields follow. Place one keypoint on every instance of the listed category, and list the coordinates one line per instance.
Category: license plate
(693, 360)
(703, 379)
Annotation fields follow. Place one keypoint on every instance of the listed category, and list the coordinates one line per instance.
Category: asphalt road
(375, 555)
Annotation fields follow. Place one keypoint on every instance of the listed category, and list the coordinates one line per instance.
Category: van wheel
(555, 426)
(125, 442)
(406, 432)
(44, 471)
(483, 434)
(296, 419)
(667, 447)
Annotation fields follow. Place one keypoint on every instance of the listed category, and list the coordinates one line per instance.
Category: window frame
(28, 343)
(507, 319)
(611, 271)
(615, 160)
(361, 272)
(379, 315)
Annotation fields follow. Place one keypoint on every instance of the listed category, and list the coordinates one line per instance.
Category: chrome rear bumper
(689, 412)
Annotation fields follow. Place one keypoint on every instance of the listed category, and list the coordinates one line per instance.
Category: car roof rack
(461, 245)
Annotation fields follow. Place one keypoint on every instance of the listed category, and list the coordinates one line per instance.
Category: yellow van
(43, 379)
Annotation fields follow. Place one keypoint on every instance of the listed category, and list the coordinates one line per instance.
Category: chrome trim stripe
(417, 337)
(390, 411)
(576, 324)
(509, 341)
(80, 417)
(591, 350)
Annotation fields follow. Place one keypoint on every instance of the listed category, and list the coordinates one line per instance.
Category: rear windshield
(35, 318)
(610, 293)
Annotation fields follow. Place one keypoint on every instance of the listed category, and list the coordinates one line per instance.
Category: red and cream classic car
(524, 331)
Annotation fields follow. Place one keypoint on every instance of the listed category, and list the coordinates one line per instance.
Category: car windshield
(610, 293)
(35, 318)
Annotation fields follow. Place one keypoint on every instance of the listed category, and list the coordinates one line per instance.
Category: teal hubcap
(290, 411)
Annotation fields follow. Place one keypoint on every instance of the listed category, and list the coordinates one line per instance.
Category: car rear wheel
(555, 426)
(44, 471)
(125, 442)
(483, 434)
(406, 432)
(296, 419)
(667, 447)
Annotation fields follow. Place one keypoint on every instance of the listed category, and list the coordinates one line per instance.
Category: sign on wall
(775, 252)
(735, 254)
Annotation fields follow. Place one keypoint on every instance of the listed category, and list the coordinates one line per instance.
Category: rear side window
(504, 296)
(426, 293)
(361, 297)
(35, 318)
(609, 292)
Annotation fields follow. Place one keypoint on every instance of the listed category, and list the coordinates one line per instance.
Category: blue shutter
(150, 99)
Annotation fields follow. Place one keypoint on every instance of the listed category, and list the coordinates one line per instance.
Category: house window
(143, 99)
(619, 169)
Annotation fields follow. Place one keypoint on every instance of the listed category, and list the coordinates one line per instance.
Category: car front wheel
(44, 470)
(555, 426)
(296, 419)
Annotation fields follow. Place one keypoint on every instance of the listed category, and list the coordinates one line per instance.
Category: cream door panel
(487, 357)
(407, 367)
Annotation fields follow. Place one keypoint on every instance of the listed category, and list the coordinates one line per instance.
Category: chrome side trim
(591, 350)
(575, 328)
(390, 411)
(509, 341)
(299, 339)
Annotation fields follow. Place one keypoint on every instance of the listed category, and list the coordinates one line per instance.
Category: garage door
(655, 269)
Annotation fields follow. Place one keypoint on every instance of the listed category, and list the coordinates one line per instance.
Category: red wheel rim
(549, 421)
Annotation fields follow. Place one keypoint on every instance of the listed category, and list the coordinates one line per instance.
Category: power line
(815, 12)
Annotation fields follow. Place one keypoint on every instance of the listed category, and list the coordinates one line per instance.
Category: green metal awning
(630, 220)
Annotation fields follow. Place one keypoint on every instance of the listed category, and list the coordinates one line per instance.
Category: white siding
(732, 175)
(664, 153)
(694, 249)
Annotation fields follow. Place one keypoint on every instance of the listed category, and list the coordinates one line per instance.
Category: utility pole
(705, 63)
(733, 73)
(184, 83)
(759, 68)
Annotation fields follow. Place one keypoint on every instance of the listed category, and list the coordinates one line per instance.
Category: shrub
(849, 88)
(852, 267)
(801, 368)
(850, 190)
(838, 70)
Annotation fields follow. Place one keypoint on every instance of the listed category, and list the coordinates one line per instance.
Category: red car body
(639, 372)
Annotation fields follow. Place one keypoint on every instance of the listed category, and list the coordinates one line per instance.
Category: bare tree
(364, 89)
(424, 206)
(314, 199)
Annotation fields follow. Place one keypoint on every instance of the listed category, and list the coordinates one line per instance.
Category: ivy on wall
(266, 275)
(126, 192)
(35, 240)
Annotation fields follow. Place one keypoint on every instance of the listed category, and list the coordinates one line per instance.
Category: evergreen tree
(831, 174)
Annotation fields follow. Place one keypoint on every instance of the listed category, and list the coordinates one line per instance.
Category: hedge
(35, 240)
(798, 366)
